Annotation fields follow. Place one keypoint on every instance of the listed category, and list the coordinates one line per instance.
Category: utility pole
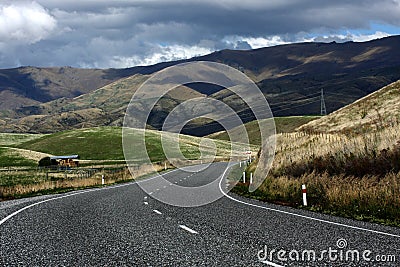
(323, 107)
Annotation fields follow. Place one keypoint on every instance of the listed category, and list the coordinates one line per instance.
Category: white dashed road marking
(158, 212)
(184, 227)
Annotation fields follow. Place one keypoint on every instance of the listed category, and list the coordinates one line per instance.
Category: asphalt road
(125, 226)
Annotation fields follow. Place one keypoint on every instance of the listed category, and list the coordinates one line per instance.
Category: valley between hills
(349, 159)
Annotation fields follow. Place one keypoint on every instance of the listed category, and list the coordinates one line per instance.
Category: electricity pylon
(323, 107)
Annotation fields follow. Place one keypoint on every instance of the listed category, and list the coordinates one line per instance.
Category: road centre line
(158, 212)
(184, 227)
(77, 193)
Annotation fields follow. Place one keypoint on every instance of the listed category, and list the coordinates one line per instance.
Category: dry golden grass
(74, 181)
(300, 146)
(338, 190)
(365, 198)
(350, 173)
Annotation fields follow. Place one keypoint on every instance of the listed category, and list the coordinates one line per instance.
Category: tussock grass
(368, 197)
(313, 151)
(346, 173)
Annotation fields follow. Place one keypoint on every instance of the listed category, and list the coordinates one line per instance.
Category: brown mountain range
(291, 77)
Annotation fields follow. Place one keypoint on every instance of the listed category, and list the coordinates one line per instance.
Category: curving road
(125, 226)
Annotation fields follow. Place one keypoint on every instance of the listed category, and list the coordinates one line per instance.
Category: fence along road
(123, 225)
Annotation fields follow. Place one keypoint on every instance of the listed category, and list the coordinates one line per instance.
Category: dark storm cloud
(119, 33)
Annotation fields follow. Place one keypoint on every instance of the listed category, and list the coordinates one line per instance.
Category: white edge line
(222, 191)
(35, 204)
(184, 227)
(299, 215)
(77, 193)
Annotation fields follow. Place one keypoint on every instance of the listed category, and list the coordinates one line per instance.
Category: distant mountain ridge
(290, 76)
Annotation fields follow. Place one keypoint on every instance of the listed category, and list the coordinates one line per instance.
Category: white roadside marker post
(304, 191)
(244, 177)
(251, 178)
(240, 164)
(165, 166)
(102, 179)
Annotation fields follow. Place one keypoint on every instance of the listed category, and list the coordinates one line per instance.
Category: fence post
(304, 191)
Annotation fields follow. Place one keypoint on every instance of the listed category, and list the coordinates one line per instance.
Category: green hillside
(105, 143)
(11, 139)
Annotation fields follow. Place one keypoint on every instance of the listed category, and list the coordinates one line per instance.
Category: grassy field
(11, 139)
(9, 158)
(97, 148)
(104, 143)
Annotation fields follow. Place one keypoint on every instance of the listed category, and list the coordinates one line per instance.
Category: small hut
(69, 161)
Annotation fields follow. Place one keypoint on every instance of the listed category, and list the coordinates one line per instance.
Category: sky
(126, 33)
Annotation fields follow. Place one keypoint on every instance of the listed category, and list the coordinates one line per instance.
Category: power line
(345, 95)
(260, 110)
(242, 116)
(315, 101)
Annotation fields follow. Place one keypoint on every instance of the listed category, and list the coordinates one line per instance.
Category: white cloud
(346, 37)
(124, 33)
(24, 22)
(259, 42)
(368, 37)
(163, 53)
